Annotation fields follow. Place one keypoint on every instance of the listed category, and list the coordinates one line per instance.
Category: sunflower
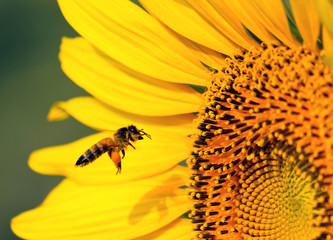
(241, 89)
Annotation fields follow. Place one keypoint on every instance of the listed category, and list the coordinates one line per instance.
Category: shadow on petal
(155, 199)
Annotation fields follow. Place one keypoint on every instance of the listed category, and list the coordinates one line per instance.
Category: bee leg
(142, 133)
(115, 157)
(131, 145)
(119, 168)
(123, 152)
(110, 153)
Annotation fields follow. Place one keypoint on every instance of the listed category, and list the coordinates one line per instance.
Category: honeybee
(121, 139)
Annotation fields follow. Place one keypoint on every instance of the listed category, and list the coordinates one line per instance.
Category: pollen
(262, 166)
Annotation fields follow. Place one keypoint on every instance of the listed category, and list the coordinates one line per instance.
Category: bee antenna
(146, 134)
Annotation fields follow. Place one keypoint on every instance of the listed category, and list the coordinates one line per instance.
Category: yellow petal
(268, 14)
(307, 22)
(325, 12)
(327, 41)
(208, 56)
(150, 157)
(132, 37)
(224, 22)
(180, 229)
(121, 87)
(246, 13)
(122, 211)
(181, 17)
(327, 51)
(100, 116)
(273, 15)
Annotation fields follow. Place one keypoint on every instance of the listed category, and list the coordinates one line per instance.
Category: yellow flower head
(258, 140)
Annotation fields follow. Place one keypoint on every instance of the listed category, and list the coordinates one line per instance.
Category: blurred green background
(31, 80)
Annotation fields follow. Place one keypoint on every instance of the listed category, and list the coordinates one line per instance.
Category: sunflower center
(262, 160)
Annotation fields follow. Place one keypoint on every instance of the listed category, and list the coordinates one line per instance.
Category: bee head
(133, 130)
(137, 134)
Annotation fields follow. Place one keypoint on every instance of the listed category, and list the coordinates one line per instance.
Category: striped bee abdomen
(95, 151)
